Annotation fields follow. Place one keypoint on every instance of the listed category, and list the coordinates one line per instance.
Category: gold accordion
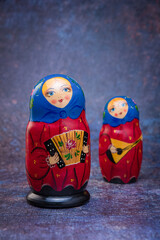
(69, 147)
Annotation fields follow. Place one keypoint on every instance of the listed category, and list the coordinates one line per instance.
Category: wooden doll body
(40, 172)
(57, 139)
(120, 142)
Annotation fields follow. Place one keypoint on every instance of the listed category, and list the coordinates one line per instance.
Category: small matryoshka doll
(120, 141)
(57, 144)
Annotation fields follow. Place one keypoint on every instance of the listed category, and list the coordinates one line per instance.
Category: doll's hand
(113, 149)
(85, 149)
(53, 160)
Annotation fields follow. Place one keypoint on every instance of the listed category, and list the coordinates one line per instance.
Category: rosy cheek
(54, 101)
(67, 97)
(125, 110)
(115, 114)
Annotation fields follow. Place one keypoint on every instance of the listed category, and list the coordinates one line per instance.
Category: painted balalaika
(57, 144)
(120, 141)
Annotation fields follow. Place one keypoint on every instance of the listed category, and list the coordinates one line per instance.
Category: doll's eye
(123, 104)
(49, 94)
(112, 109)
(66, 89)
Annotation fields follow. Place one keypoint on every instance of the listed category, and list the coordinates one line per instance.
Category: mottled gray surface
(111, 48)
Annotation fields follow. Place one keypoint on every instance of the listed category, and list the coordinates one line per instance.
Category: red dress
(128, 166)
(39, 174)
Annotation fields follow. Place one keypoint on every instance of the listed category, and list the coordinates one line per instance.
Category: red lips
(61, 100)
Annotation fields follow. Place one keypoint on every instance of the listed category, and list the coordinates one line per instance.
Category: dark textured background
(111, 48)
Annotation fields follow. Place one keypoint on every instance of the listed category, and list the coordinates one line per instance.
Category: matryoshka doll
(57, 144)
(120, 141)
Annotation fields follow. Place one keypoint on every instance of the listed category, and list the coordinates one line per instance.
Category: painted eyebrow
(65, 85)
(122, 101)
(49, 89)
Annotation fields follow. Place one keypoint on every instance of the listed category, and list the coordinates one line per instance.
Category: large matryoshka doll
(57, 144)
(120, 141)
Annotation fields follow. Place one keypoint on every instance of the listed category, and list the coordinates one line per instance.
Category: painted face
(57, 91)
(118, 107)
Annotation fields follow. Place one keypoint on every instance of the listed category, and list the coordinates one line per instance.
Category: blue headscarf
(43, 111)
(131, 114)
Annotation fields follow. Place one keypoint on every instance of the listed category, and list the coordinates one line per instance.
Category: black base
(48, 191)
(58, 201)
(119, 181)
